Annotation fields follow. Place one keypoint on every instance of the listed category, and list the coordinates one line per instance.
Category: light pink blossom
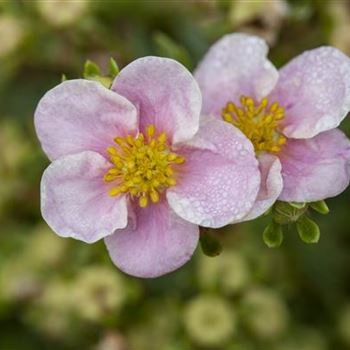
(291, 116)
(135, 166)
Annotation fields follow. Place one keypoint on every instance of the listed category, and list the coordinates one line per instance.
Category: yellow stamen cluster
(258, 121)
(143, 166)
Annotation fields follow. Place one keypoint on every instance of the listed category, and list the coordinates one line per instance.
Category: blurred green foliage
(60, 294)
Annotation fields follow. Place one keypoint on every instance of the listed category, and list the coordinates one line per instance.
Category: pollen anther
(143, 166)
(258, 121)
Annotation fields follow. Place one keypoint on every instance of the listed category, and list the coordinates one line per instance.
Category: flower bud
(98, 291)
(61, 13)
(264, 313)
(229, 272)
(284, 213)
(210, 245)
(11, 34)
(210, 321)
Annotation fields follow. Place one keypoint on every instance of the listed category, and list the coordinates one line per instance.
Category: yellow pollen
(143, 166)
(258, 121)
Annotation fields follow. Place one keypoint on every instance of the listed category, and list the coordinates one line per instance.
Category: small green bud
(105, 81)
(284, 213)
(92, 72)
(210, 245)
(91, 69)
(113, 68)
(297, 205)
(308, 230)
(273, 235)
(320, 206)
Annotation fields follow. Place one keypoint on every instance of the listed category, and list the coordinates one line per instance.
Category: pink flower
(290, 116)
(134, 166)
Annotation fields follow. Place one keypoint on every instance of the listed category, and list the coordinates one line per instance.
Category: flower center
(258, 121)
(143, 166)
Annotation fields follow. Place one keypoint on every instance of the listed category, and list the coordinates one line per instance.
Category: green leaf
(297, 205)
(91, 69)
(308, 230)
(320, 206)
(63, 78)
(273, 235)
(210, 245)
(113, 68)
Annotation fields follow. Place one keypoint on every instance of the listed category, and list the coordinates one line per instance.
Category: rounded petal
(220, 180)
(165, 93)
(315, 169)
(82, 115)
(155, 242)
(235, 65)
(270, 187)
(75, 201)
(314, 88)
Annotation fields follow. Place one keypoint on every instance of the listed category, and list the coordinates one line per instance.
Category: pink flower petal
(220, 180)
(271, 185)
(317, 168)
(315, 90)
(235, 65)
(165, 93)
(75, 200)
(82, 115)
(154, 243)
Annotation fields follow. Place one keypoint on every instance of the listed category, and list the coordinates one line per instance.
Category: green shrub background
(61, 294)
